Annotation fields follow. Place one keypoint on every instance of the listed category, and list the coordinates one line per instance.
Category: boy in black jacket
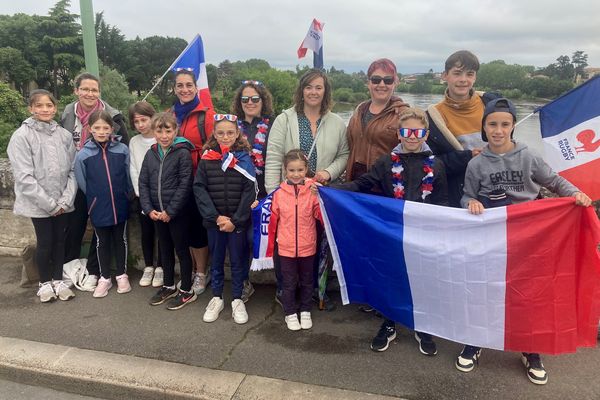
(409, 173)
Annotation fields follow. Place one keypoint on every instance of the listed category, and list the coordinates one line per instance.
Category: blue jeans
(219, 242)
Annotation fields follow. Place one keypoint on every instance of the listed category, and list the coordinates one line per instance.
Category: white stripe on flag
(561, 149)
(457, 294)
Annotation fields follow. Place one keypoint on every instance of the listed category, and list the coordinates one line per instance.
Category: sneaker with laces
(468, 358)
(238, 311)
(213, 309)
(46, 292)
(535, 369)
(158, 279)
(305, 320)
(247, 291)
(426, 344)
(90, 283)
(199, 283)
(147, 277)
(123, 285)
(163, 294)
(292, 322)
(103, 287)
(182, 299)
(62, 290)
(384, 337)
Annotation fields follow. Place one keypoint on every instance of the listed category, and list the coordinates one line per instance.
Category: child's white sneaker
(147, 276)
(305, 320)
(62, 291)
(158, 279)
(123, 285)
(238, 311)
(90, 283)
(292, 322)
(46, 292)
(213, 309)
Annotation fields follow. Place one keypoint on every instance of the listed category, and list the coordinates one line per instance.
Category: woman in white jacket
(41, 155)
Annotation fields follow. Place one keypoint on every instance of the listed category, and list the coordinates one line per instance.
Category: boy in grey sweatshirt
(504, 173)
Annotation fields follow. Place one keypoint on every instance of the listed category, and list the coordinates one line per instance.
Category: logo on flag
(192, 59)
(569, 125)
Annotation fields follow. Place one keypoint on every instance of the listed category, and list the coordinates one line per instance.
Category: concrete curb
(114, 376)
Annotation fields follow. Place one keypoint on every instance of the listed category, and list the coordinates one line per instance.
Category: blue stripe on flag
(571, 109)
(370, 251)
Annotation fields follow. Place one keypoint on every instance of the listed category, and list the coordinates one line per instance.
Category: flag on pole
(520, 278)
(313, 41)
(192, 59)
(570, 128)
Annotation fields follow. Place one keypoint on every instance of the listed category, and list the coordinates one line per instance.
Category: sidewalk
(121, 347)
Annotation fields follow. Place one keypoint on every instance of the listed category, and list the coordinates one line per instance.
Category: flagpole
(170, 66)
(526, 117)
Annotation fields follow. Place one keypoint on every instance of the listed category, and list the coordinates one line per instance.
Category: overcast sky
(416, 34)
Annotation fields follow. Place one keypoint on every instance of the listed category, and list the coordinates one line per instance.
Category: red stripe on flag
(586, 177)
(552, 277)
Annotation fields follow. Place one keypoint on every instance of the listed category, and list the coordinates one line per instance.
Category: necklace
(398, 181)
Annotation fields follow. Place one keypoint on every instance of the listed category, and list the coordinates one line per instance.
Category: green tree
(62, 44)
(422, 85)
(110, 43)
(497, 75)
(115, 90)
(12, 113)
(579, 61)
(15, 68)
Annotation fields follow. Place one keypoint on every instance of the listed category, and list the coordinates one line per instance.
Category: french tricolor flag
(522, 278)
(313, 41)
(192, 59)
(571, 134)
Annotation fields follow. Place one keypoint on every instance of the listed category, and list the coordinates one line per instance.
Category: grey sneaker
(46, 292)
(247, 291)
(158, 279)
(147, 277)
(199, 283)
(62, 291)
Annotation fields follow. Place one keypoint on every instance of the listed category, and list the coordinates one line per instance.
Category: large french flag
(571, 133)
(192, 59)
(521, 278)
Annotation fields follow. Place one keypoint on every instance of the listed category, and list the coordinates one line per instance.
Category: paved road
(334, 353)
(18, 391)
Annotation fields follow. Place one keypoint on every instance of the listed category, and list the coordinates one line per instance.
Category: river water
(528, 132)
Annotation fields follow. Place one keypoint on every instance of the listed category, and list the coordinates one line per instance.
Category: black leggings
(148, 235)
(173, 235)
(109, 236)
(50, 233)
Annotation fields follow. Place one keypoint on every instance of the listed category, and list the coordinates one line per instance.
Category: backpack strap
(201, 119)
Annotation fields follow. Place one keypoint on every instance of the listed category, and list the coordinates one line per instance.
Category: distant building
(590, 72)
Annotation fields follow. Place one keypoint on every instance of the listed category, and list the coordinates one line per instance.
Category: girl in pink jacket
(294, 212)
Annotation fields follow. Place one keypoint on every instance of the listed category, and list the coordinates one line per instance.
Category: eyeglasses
(254, 99)
(376, 80)
(228, 117)
(88, 91)
(406, 132)
(257, 83)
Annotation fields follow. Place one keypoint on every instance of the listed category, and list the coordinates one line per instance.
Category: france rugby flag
(192, 59)
(571, 134)
(521, 278)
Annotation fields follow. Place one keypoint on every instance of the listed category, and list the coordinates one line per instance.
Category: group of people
(195, 176)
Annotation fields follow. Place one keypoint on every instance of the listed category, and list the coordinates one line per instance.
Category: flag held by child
(263, 238)
(192, 59)
(570, 128)
(519, 278)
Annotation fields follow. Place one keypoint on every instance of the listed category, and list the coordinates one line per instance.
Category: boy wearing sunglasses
(455, 122)
(410, 172)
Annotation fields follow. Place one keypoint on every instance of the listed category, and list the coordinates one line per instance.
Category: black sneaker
(182, 299)
(385, 335)
(468, 358)
(535, 369)
(426, 344)
(163, 294)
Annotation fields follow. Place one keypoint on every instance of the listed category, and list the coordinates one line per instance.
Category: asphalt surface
(335, 353)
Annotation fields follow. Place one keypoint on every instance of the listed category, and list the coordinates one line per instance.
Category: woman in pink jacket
(294, 212)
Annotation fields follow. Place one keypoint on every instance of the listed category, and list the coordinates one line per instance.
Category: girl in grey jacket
(41, 155)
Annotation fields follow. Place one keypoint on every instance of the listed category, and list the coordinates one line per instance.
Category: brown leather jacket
(379, 137)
